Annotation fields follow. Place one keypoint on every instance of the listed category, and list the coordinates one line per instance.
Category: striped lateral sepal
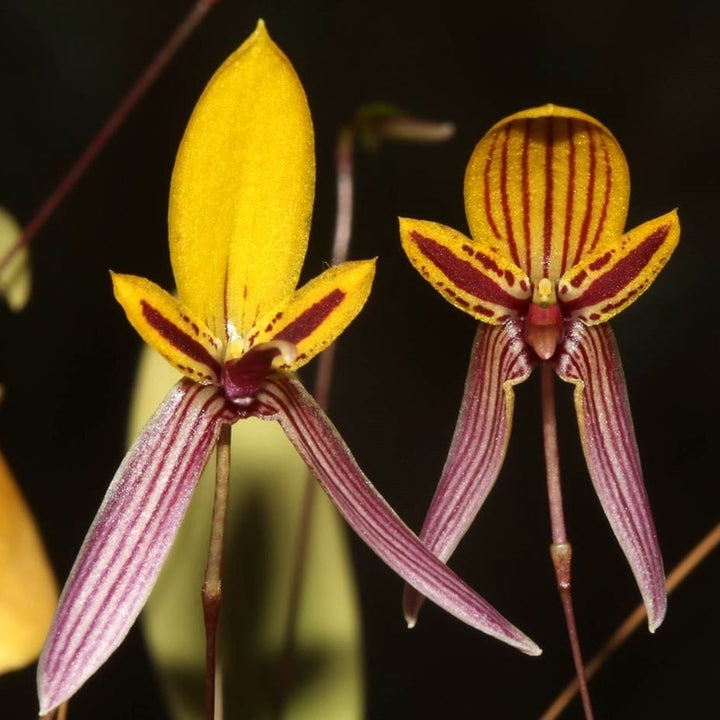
(284, 399)
(130, 538)
(499, 360)
(589, 358)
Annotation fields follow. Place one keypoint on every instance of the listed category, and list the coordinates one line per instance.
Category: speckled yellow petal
(28, 592)
(319, 311)
(619, 271)
(242, 190)
(545, 187)
(469, 274)
(177, 333)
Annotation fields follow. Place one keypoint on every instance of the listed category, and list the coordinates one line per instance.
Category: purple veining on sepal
(589, 358)
(284, 399)
(130, 537)
(499, 360)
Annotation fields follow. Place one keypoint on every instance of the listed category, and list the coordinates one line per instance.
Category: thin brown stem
(59, 713)
(560, 550)
(212, 587)
(116, 119)
(634, 620)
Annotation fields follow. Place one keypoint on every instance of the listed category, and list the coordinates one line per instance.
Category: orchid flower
(548, 264)
(240, 206)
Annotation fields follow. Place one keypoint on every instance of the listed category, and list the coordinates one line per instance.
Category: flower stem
(212, 587)
(116, 119)
(631, 623)
(560, 550)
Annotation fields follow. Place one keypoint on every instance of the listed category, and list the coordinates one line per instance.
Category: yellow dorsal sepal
(242, 190)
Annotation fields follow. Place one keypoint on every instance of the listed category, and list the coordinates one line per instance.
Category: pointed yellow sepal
(319, 311)
(177, 333)
(545, 187)
(28, 592)
(619, 271)
(469, 274)
(242, 190)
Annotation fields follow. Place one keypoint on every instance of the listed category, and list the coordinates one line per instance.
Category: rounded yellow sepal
(545, 186)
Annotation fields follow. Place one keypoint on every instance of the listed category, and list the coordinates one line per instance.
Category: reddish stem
(116, 119)
(212, 587)
(560, 550)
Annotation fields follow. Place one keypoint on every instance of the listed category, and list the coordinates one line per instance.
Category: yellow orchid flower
(548, 264)
(28, 591)
(240, 206)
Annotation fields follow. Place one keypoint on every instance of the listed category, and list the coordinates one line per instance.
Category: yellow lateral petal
(619, 271)
(178, 334)
(545, 187)
(242, 190)
(469, 274)
(28, 592)
(319, 311)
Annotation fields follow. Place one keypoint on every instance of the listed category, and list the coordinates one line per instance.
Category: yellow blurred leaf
(15, 277)
(28, 592)
(265, 498)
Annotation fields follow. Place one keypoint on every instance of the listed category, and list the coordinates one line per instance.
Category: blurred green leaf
(266, 490)
(15, 277)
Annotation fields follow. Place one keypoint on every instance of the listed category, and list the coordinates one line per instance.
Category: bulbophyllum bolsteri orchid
(239, 217)
(547, 265)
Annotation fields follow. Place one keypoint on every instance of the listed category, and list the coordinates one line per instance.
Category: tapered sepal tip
(283, 398)
(591, 361)
(129, 538)
(411, 602)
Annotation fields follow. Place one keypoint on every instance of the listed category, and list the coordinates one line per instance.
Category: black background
(67, 362)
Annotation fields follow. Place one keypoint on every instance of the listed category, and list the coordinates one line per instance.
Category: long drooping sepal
(469, 274)
(179, 335)
(589, 358)
(129, 538)
(498, 361)
(242, 190)
(619, 271)
(318, 312)
(545, 186)
(284, 399)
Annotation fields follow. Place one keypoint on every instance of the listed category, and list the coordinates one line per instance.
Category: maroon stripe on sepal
(309, 320)
(466, 277)
(178, 338)
(610, 283)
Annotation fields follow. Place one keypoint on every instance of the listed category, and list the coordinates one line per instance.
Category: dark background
(67, 362)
